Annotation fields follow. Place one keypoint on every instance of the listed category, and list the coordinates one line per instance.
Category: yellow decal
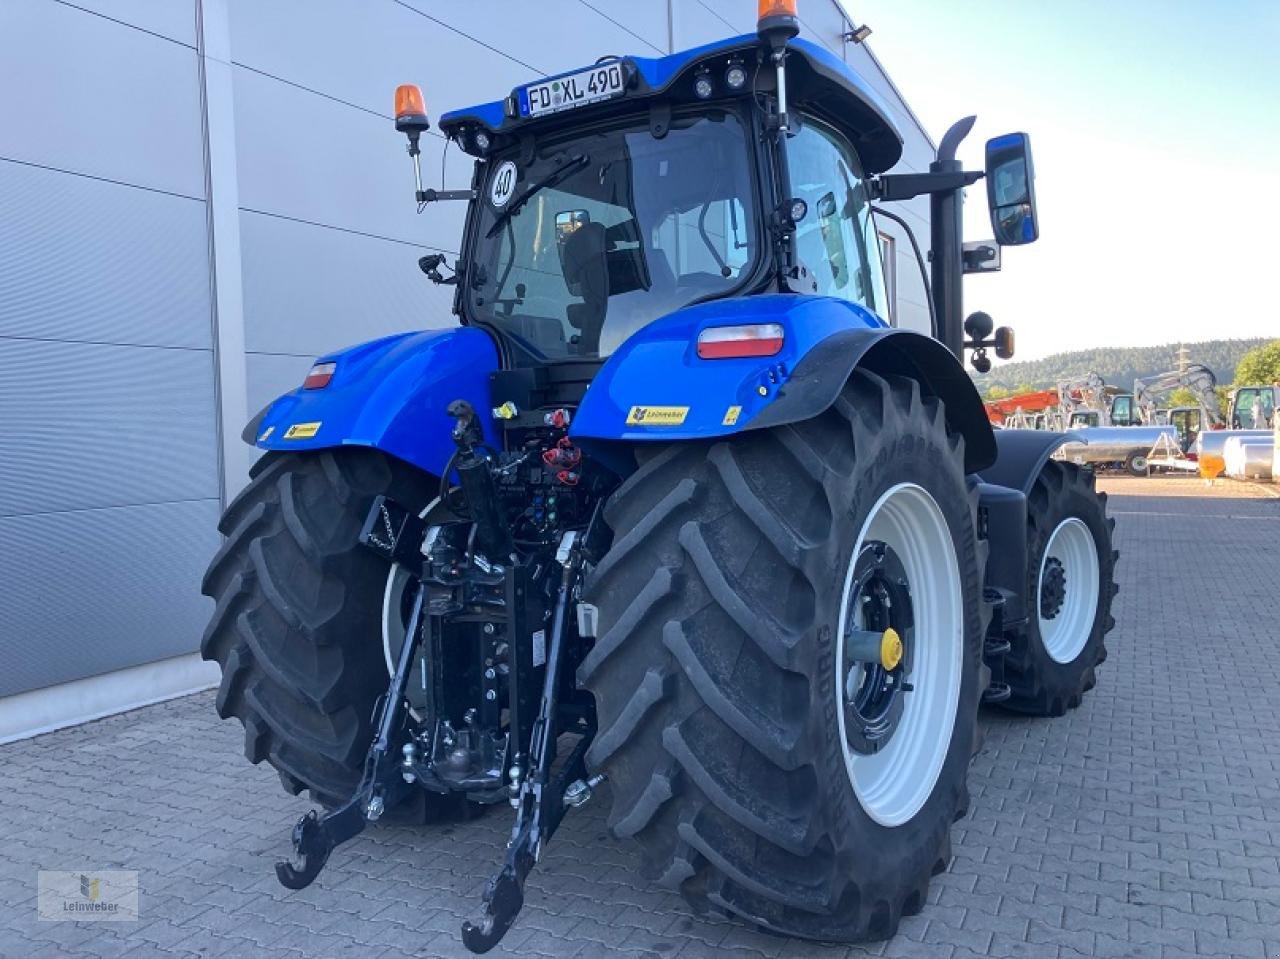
(731, 416)
(657, 415)
(302, 431)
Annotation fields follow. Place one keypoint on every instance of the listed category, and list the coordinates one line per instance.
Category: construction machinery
(674, 516)
(1253, 407)
(1127, 448)
(1019, 410)
(1150, 391)
(1063, 407)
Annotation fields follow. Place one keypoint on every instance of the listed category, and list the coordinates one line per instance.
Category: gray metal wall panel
(550, 36)
(97, 590)
(695, 23)
(85, 259)
(270, 375)
(85, 425)
(348, 171)
(175, 19)
(311, 290)
(823, 21)
(87, 94)
(360, 52)
(646, 21)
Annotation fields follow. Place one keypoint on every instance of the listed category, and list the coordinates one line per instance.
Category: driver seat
(586, 273)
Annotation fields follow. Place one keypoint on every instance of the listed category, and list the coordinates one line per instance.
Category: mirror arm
(904, 186)
(432, 196)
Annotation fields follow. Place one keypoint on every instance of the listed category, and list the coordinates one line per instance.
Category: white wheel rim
(392, 597)
(1066, 634)
(894, 783)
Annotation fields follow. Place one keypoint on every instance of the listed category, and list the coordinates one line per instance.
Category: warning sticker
(731, 416)
(657, 415)
(302, 431)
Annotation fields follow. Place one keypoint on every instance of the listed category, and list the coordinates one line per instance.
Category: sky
(1155, 129)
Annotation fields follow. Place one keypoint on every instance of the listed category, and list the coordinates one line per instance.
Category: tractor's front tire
(297, 626)
(1070, 585)
(722, 677)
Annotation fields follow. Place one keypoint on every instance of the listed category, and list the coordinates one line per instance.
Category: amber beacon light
(411, 109)
(777, 18)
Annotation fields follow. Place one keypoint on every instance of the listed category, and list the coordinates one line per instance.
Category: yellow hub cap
(890, 649)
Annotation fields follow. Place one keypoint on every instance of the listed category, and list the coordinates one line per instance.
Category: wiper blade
(551, 179)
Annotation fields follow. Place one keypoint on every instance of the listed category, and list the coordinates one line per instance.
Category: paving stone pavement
(1145, 823)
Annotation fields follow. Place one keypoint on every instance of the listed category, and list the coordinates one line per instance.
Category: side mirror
(1011, 191)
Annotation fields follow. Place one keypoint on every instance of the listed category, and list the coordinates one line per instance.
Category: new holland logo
(657, 415)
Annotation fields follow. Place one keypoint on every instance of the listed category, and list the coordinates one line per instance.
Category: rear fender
(1021, 455)
(655, 387)
(390, 395)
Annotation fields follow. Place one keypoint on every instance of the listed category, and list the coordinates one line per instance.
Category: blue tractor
(674, 515)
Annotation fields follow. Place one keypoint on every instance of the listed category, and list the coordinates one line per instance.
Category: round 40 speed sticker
(503, 185)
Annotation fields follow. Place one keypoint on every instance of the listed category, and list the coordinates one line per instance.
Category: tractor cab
(608, 197)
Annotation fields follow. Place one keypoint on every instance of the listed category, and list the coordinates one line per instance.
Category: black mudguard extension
(1021, 455)
(823, 372)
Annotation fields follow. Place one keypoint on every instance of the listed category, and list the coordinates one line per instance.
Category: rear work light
(319, 376)
(730, 342)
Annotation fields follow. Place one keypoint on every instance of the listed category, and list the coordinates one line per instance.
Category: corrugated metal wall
(114, 340)
(108, 459)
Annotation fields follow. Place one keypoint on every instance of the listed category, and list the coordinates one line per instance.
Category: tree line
(1232, 361)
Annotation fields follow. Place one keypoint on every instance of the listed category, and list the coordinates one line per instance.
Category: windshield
(602, 233)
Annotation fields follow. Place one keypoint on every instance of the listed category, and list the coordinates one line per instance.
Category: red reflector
(319, 376)
(728, 342)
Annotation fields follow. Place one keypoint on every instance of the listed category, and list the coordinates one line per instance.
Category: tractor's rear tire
(1071, 582)
(718, 675)
(297, 627)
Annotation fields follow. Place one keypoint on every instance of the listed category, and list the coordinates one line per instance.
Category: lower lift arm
(541, 802)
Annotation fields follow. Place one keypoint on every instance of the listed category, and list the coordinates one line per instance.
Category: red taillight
(731, 342)
(319, 376)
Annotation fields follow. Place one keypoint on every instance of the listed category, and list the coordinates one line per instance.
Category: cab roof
(816, 79)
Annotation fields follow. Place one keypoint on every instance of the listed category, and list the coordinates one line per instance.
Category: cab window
(837, 240)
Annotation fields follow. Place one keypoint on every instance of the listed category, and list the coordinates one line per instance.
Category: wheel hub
(1053, 588)
(877, 649)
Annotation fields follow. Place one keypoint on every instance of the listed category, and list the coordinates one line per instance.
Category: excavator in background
(1082, 400)
(1149, 391)
(1025, 410)
(1071, 403)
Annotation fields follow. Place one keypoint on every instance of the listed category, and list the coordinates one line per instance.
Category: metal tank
(1209, 448)
(1115, 444)
(1246, 458)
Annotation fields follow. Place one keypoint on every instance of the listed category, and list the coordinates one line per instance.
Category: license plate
(574, 90)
